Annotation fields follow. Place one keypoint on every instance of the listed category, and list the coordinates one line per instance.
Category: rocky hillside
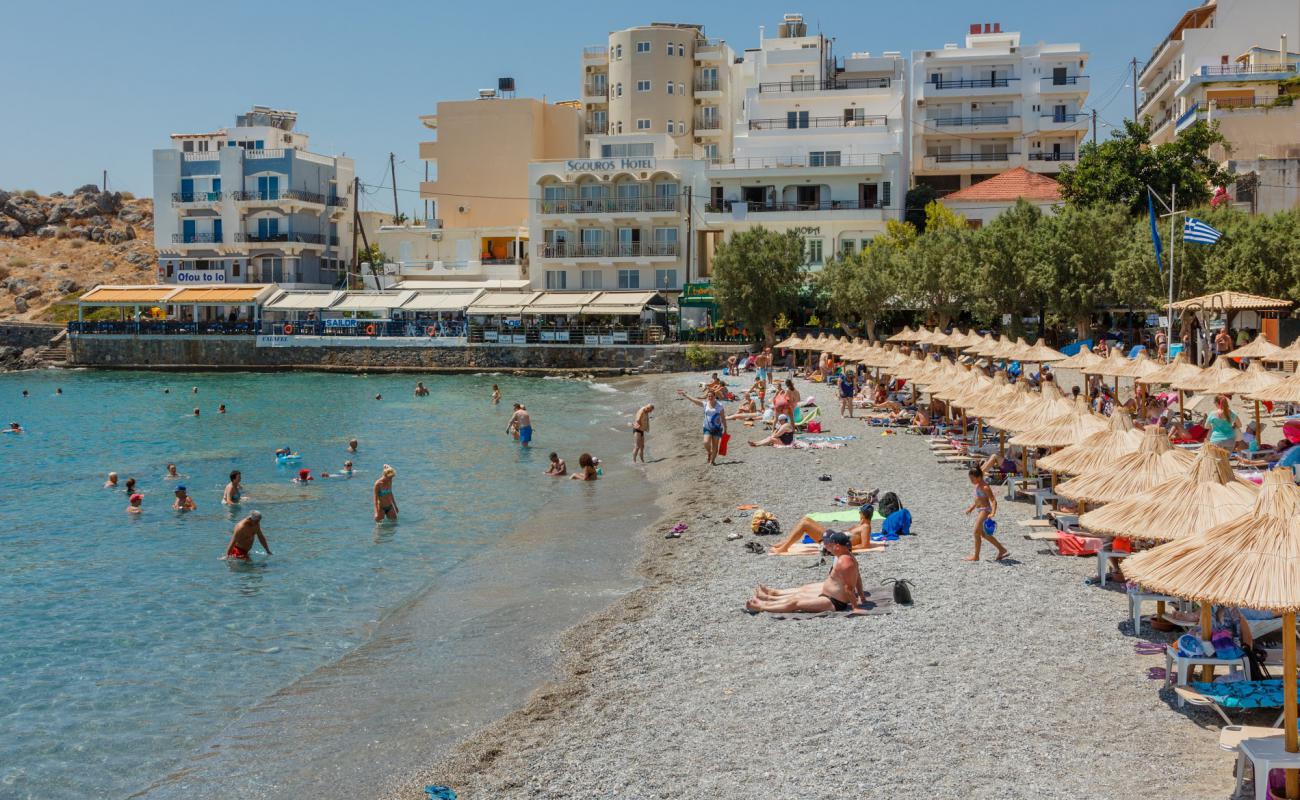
(53, 248)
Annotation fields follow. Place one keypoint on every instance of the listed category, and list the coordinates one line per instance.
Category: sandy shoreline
(1013, 680)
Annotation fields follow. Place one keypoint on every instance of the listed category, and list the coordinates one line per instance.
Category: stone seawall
(242, 353)
(25, 335)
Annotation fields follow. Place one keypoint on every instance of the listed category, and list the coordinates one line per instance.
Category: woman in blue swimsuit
(385, 503)
(987, 505)
(234, 489)
(715, 423)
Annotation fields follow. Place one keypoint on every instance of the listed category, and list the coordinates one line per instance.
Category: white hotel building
(993, 105)
(820, 145)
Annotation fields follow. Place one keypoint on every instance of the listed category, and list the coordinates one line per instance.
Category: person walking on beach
(241, 540)
(987, 506)
(841, 590)
(385, 503)
(496, 394)
(234, 491)
(523, 423)
(848, 388)
(640, 427)
(715, 424)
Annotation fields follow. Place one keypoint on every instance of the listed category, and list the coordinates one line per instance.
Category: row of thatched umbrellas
(1219, 539)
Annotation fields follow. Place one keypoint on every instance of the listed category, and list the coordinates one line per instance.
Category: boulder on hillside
(16, 285)
(58, 213)
(68, 286)
(20, 305)
(138, 258)
(31, 213)
(4, 197)
(30, 294)
(97, 234)
(87, 188)
(81, 230)
(131, 217)
(47, 231)
(11, 227)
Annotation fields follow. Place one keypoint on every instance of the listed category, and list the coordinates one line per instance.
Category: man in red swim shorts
(242, 538)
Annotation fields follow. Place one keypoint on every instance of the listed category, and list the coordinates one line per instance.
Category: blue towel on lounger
(1243, 694)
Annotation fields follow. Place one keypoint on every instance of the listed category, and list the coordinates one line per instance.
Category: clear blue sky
(95, 85)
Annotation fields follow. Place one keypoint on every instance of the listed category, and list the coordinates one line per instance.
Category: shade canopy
(127, 295)
(1115, 365)
(1040, 353)
(1154, 462)
(1208, 495)
(1142, 365)
(1176, 371)
(1098, 450)
(238, 295)
(560, 303)
(372, 301)
(994, 389)
(1230, 301)
(1286, 390)
(304, 300)
(905, 335)
(1249, 381)
(1259, 347)
(996, 403)
(440, 301)
(623, 303)
(791, 342)
(1081, 360)
(1047, 406)
(1074, 426)
(495, 303)
(1218, 373)
(1252, 561)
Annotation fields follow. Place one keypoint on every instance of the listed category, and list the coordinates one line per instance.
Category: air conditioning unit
(920, 102)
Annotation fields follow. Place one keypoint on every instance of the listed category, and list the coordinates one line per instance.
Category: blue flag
(1155, 235)
(1199, 232)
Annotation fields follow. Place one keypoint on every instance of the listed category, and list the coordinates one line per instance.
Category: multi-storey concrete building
(662, 78)
(821, 145)
(250, 204)
(995, 104)
(1219, 51)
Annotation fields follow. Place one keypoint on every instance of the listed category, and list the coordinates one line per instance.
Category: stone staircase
(652, 364)
(55, 352)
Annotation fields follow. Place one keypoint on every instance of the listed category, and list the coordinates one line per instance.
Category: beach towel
(849, 515)
(815, 549)
(823, 438)
(897, 524)
(1071, 545)
(880, 600)
(1243, 694)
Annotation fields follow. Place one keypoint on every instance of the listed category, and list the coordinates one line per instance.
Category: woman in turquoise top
(1223, 424)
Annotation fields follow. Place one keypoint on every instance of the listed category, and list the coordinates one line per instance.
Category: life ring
(288, 328)
(430, 331)
(370, 330)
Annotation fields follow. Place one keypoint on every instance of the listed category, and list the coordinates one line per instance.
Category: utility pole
(105, 181)
(690, 233)
(357, 230)
(1134, 63)
(1094, 127)
(392, 166)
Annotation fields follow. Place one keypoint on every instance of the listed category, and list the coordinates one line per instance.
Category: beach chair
(1178, 669)
(1234, 696)
(802, 416)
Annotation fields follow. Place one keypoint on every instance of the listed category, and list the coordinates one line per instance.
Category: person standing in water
(715, 424)
(111, 483)
(987, 506)
(183, 501)
(557, 467)
(352, 445)
(241, 540)
(420, 390)
(496, 394)
(385, 503)
(234, 491)
(136, 504)
(640, 427)
(523, 423)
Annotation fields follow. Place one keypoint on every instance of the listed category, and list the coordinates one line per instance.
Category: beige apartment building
(663, 78)
(479, 228)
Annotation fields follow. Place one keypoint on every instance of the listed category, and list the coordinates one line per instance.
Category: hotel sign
(608, 164)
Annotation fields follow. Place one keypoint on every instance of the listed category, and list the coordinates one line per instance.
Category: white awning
(560, 302)
(623, 303)
(440, 301)
(372, 301)
(497, 303)
(303, 301)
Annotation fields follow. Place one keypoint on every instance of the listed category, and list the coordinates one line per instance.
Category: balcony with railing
(279, 237)
(608, 205)
(952, 84)
(188, 198)
(708, 122)
(708, 50)
(286, 196)
(597, 127)
(1069, 121)
(989, 157)
(595, 91)
(786, 123)
(827, 85)
(1052, 155)
(984, 120)
(609, 250)
(1187, 117)
(797, 161)
(1232, 70)
(707, 83)
(338, 202)
(196, 238)
(203, 155)
(595, 52)
(1153, 94)
(775, 208)
(1057, 84)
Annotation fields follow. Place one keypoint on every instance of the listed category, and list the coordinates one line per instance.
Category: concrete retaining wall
(241, 352)
(25, 335)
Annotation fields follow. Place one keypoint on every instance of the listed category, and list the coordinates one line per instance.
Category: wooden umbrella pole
(1289, 700)
(979, 433)
(1207, 628)
(1259, 432)
(1002, 443)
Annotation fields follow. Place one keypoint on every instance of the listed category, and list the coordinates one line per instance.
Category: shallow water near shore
(133, 660)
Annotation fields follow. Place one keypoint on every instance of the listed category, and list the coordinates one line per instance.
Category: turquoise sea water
(132, 658)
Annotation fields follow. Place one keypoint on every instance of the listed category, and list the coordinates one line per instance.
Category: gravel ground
(1005, 680)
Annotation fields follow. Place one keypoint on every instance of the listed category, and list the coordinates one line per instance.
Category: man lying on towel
(841, 590)
(859, 535)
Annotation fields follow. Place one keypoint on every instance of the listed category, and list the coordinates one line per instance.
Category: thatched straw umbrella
(1246, 383)
(983, 346)
(1049, 405)
(1070, 428)
(1220, 371)
(1286, 390)
(1210, 494)
(791, 342)
(1252, 562)
(1260, 348)
(1098, 450)
(1176, 371)
(1082, 360)
(906, 335)
(1154, 462)
(1039, 353)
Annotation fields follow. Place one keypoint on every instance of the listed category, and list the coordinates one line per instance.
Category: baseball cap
(180, 488)
(867, 510)
(136, 497)
(837, 537)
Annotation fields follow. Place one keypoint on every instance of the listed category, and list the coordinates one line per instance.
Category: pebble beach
(1012, 679)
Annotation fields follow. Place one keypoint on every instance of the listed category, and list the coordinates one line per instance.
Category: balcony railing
(195, 197)
(1245, 69)
(573, 333)
(829, 84)
(708, 122)
(784, 123)
(1154, 92)
(988, 119)
(972, 83)
(595, 90)
(956, 158)
(609, 249)
(762, 208)
(800, 160)
(707, 85)
(1187, 115)
(341, 202)
(196, 238)
(607, 205)
(1053, 117)
(163, 328)
(1241, 102)
(1063, 80)
(1064, 155)
(255, 237)
(287, 194)
(597, 127)
(595, 50)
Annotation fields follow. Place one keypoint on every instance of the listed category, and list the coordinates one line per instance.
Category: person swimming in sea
(587, 468)
(385, 503)
(130, 486)
(111, 483)
(14, 427)
(241, 540)
(346, 472)
(352, 445)
(557, 466)
(234, 490)
(136, 503)
(183, 501)
(420, 390)
(59, 390)
(194, 390)
(221, 409)
(196, 412)
(304, 477)
(25, 393)
(172, 474)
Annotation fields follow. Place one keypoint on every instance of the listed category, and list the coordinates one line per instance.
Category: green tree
(937, 271)
(757, 274)
(1121, 168)
(1007, 252)
(860, 286)
(916, 202)
(1080, 248)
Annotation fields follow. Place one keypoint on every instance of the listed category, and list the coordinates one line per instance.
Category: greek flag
(1196, 231)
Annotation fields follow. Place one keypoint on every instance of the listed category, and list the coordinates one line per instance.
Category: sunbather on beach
(839, 592)
(746, 410)
(859, 535)
(782, 435)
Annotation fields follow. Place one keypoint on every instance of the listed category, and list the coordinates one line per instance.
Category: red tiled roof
(1009, 185)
